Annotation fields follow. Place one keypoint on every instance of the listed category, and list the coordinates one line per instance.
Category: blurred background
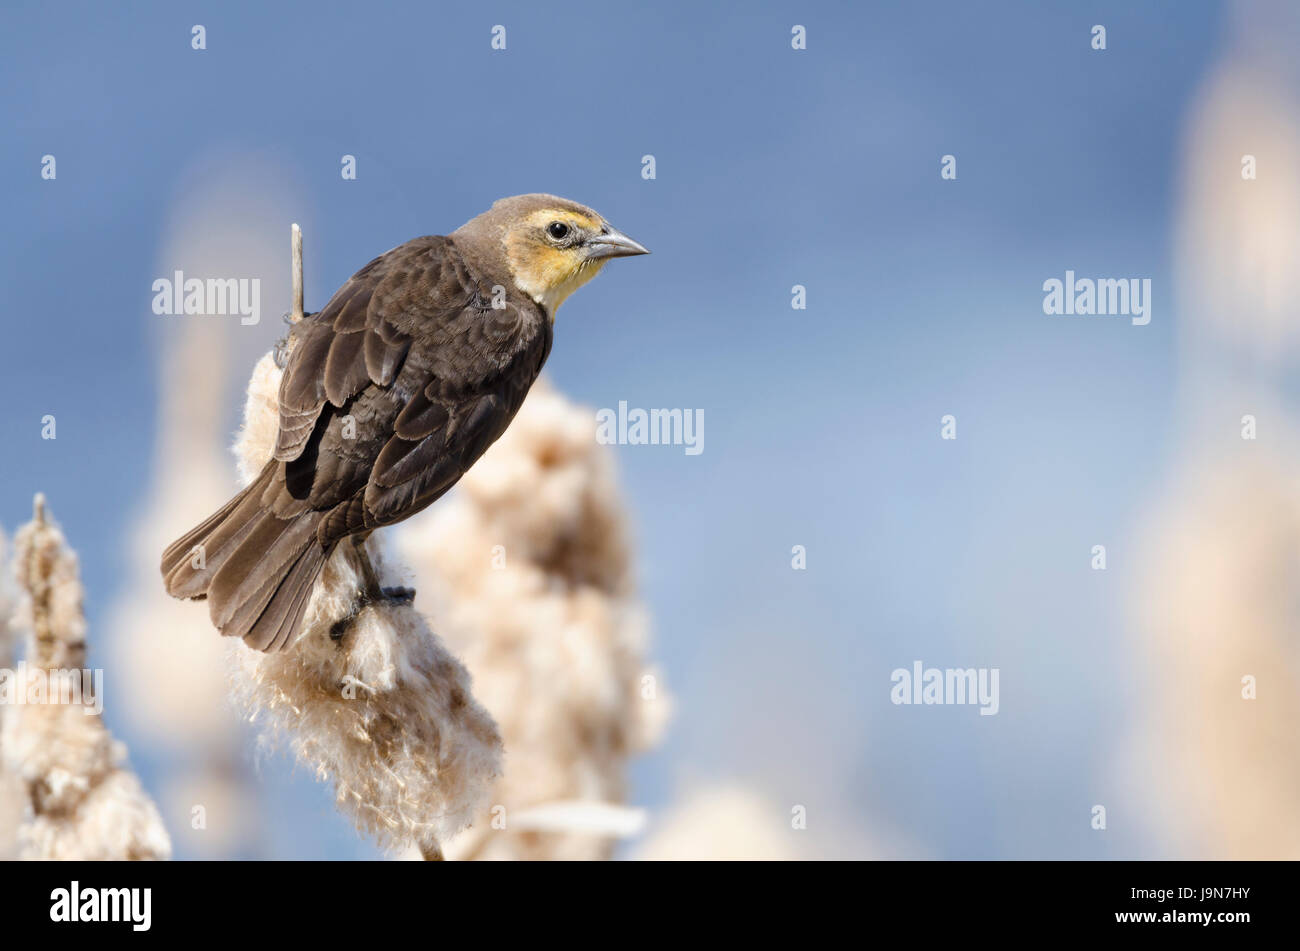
(774, 167)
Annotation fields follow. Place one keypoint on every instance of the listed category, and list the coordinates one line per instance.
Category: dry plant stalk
(531, 566)
(368, 697)
(82, 800)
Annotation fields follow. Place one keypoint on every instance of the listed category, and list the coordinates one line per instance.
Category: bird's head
(550, 246)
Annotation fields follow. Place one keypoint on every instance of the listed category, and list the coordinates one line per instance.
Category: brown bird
(391, 392)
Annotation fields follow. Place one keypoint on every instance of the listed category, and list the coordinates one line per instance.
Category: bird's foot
(398, 595)
(369, 591)
(280, 352)
(393, 595)
(339, 629)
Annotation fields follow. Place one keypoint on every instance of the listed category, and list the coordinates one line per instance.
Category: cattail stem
(45, 641)
(296, 243)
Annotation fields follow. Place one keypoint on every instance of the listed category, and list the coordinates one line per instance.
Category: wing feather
(424, 374)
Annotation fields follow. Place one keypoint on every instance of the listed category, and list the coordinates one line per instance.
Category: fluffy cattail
(531, 570)
(368, 697)
(82, 801)
(12, 798)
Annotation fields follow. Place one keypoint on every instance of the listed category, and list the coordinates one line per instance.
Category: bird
(389, 394)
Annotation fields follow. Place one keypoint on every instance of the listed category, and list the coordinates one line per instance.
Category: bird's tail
(256, 570)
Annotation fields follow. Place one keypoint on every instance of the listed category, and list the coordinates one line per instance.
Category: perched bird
(390, 393)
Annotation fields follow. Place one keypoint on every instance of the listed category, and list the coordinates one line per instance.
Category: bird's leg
(368, 590)
(372, 589)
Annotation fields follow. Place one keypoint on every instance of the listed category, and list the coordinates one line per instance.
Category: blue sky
(775, 167)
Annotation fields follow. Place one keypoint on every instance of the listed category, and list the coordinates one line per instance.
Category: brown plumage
(391, 392)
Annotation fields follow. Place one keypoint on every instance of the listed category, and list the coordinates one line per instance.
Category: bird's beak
(614, 244)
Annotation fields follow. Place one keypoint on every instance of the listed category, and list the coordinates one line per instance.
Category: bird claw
(281, 352)
(283, 346)
(393, 595)
(398, 595)
(339, 629)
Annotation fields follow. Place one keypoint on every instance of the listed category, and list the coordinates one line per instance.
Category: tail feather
(278, 624)
(252, 571)
(250, 579)
(257, 570)
(183, 578)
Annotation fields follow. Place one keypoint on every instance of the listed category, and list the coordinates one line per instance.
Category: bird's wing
(417, 318)
(437, 438)
(442, 430)
(352, 342)
(464, 403)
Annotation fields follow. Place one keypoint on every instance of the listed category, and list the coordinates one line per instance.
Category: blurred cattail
(1216, 602)
(1215, 754)
(368, 697)
(12, 796)
(531, 567)
(171, 670)
(82, 801)
(7, 636)
(722, 823)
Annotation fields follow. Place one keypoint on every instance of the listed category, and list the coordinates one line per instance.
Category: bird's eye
(557, 229)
